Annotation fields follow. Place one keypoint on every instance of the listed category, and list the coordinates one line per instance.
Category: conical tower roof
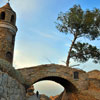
(7, 6)
(8, 16)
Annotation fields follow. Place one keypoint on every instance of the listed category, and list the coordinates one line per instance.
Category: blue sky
(37, 40)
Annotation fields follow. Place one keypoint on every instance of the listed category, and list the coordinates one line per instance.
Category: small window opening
(9, 55)
(12, 19)
(76, 75)
(2, 15)
(13, 39)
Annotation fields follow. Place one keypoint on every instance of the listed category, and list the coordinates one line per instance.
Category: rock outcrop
(10, 88)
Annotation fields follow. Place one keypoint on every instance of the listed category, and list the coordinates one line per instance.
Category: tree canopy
(81, 23)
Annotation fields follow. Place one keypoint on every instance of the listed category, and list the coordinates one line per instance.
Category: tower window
(12, 19)
(13, 39)
(76, 75)
(2, 15)
(9, 55)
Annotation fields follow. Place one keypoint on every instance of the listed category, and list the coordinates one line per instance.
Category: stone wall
(10, 88)
(92, 92)
(95, 74)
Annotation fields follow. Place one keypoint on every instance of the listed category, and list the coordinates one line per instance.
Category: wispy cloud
(24, 59)
(47, 34)
(33, 55)
(2, 2)
(28, 6)
(24, 6)
(67, 44)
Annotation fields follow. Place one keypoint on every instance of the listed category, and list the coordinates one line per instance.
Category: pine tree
(81, 23)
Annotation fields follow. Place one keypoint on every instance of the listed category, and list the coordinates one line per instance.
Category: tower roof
(7, 6)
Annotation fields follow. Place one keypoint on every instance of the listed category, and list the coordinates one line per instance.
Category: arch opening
(2, 16)
(48, 87)
(13, 39)
(9, 55)
(12, 19)
(69, 87)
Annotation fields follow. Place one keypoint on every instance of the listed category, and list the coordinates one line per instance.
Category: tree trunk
(68, 57)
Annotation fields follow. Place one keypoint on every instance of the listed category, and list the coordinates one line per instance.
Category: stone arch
(55, 72)
(69, 87)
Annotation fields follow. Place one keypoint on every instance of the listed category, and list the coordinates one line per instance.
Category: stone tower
(8, 31)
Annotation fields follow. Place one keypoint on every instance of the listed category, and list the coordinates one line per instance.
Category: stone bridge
(58, 73)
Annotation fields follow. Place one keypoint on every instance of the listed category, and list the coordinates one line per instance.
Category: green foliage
(85, 23)
(82, 52)
(81, 23)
